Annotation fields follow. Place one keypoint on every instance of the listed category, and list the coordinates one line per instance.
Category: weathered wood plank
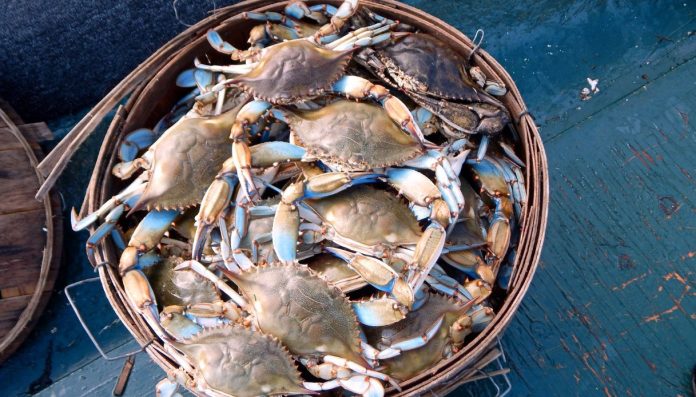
(21, 252)
(18, 181)
(98, 377)
(612, 309)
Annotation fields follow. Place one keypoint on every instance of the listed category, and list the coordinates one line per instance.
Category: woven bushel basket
(153, 92)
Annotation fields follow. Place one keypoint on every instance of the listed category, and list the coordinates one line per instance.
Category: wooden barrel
(30, 232)
(154, 92)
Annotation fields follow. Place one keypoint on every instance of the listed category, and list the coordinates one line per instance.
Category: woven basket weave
(153, 91)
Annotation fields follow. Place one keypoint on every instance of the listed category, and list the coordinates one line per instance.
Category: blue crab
(432, 333)
(299, 69)
(309, 316)
(231, 360)
(184, 159)
(435, 77)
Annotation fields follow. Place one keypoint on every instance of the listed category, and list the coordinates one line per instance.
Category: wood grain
(28, 264)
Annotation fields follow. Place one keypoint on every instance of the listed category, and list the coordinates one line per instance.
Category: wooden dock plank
(615, 292)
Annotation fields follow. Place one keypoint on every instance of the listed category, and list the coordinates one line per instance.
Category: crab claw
(360, 88)
(379, 311)
(219, 44)
(427, 252)
(342, 15)
(216, 199)
(142, 298)
(378, 274)
(285, 233)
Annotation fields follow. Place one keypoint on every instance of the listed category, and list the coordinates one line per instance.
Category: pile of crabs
(333, 209)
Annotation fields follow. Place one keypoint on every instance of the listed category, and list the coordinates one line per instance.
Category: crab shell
(186, 159)
(306, 313)
(353, 135)
(182, 287)
(435, 77)
(336, 271)
(239, 362)
(411, 362)
(292, 70)
(432, 67)
(369, 216)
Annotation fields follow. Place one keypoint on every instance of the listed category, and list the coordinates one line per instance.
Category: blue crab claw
(360, 88)
(420, 340)
(185, 79)
(142, 298)
(215, 200)
(103, 230)
(268, 16)
(379, 274)
(427, 252)
(285, 233)
(203, 79)
(379, 311)
(339, 19)
(483, 147)
(135, 142)
(330, 183)
(286, 222)
(219, 44)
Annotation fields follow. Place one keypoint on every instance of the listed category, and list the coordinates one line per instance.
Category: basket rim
(532, 234)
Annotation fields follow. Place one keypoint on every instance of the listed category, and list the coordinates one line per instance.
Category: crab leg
(226, 69)
(224, 47)
(510, 153)
(338, 20)
(360, 88)
(138, 290)
(378, 274)
(360, 37)
(130, 194)
(447, 179)
(318, 12)
(480, 318)
(473, 291)
(219, 283)
(353, 366)
(498, 239)
(427, 252)
(407, 344)
(215, 200)
(103, 230)
(358, 384)
(218, 195)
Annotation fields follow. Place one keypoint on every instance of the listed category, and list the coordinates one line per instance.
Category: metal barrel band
(86, 327)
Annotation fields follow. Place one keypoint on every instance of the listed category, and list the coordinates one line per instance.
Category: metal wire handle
(499, 372)
(84, 324)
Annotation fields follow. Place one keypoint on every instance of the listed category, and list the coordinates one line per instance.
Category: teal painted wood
(612, 309)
